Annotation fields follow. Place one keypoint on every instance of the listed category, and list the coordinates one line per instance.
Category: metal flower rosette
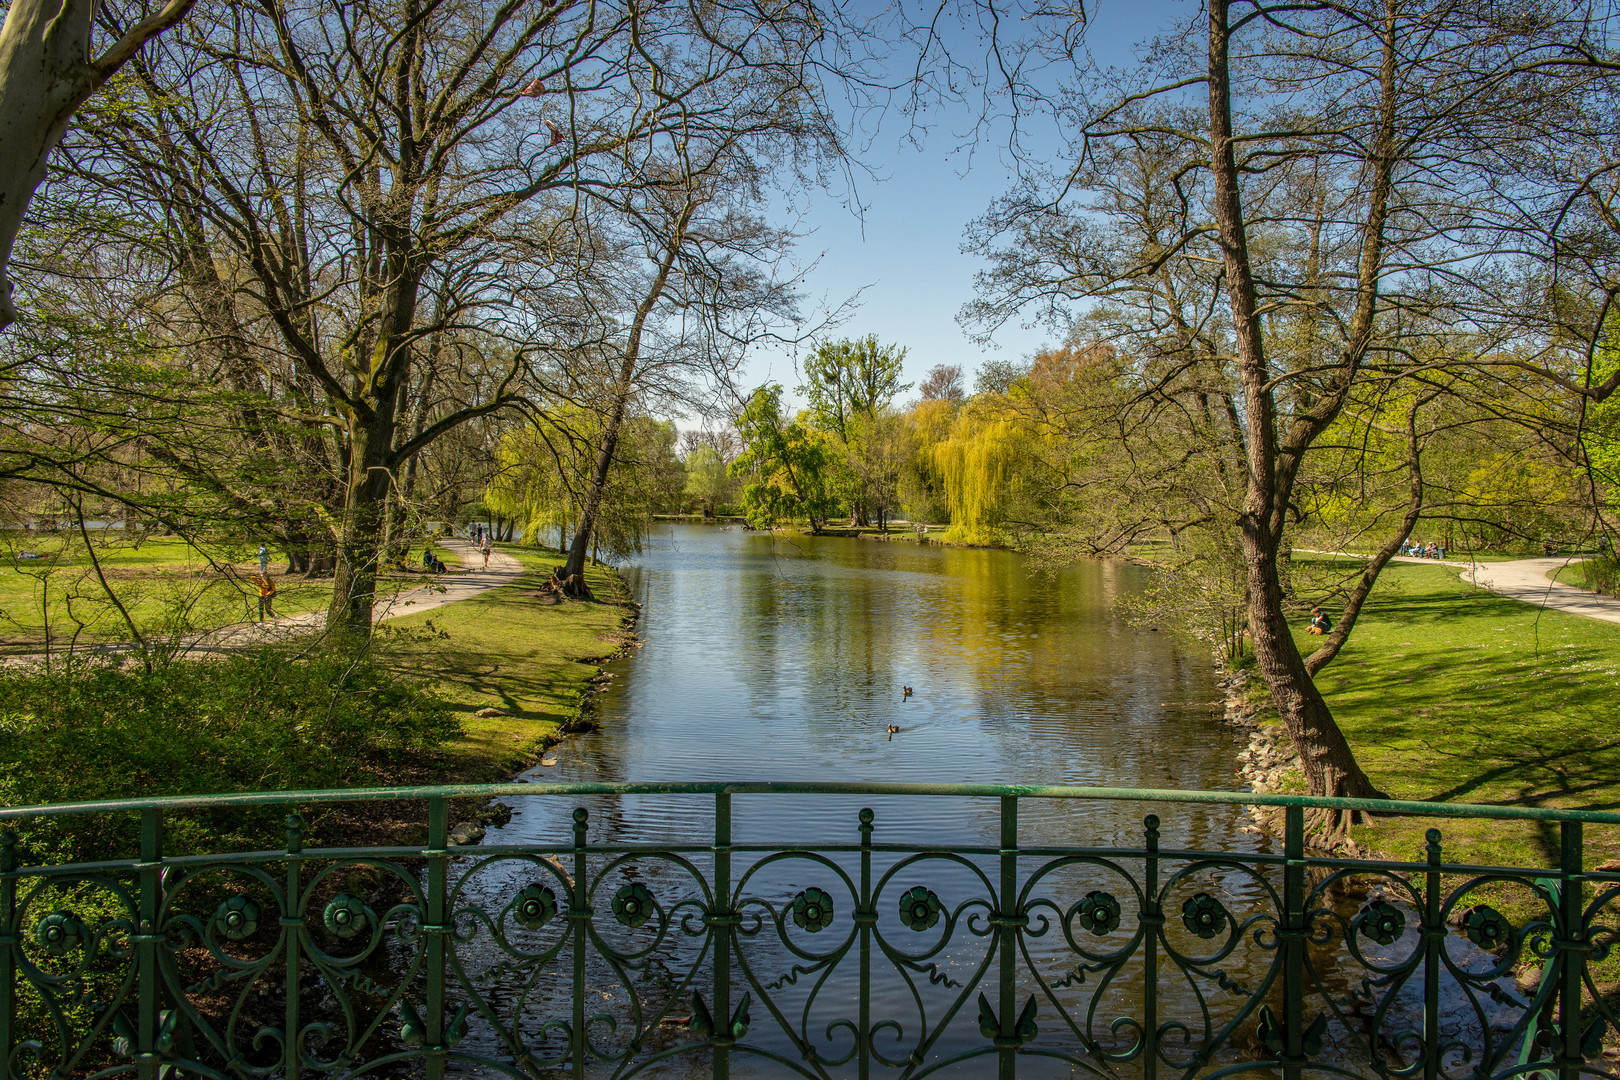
(870, 952)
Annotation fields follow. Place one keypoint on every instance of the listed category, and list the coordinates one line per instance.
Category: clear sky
(905, 251)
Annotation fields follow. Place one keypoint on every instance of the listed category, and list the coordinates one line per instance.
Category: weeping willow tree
(545, 468)
(980, 468)
(921, 489)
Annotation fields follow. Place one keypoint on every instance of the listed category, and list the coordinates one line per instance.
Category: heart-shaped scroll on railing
(413, 1029)
(1276, 1039)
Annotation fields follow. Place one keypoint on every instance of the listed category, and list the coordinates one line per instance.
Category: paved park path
(443, 589)
(436, 592)
(1527, 580)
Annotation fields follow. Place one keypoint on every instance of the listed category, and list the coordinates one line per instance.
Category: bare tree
(371, 224)
(1297, 218)
(707, 287)
(943, 383)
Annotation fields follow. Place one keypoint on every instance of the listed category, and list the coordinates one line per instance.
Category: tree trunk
(1325, 755)
(46, 73)
(354, 583)
(570, 577)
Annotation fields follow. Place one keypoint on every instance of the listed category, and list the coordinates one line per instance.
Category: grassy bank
(1450, 693)
(310, 714)
(268, 719)
(517, 650)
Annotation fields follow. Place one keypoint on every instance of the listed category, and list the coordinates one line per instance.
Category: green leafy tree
(708, 482)
(850, 385)
(846, 379)
(788, 465)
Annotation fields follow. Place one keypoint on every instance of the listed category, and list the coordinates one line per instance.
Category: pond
(786, 657)
(783, 657)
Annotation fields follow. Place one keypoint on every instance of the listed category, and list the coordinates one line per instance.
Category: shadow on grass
(507, 649)
(1451, 694)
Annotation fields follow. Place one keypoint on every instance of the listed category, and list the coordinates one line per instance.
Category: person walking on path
(486, 549)
(267, 597)
(264, 560)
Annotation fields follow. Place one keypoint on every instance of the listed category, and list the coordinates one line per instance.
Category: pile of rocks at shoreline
(1269, 763)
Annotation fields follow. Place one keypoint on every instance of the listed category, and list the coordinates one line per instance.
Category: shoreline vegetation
(902, 531)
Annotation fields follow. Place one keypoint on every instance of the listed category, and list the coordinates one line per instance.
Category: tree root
(570, 585)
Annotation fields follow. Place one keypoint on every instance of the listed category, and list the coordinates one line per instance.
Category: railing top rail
(1027, 791)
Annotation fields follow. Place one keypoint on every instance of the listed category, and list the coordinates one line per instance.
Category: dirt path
(434, 592)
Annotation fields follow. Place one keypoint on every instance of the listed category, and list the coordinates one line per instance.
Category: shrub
(266, 720)
(1602, 573)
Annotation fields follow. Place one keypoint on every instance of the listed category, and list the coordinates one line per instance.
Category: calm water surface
(783, 657)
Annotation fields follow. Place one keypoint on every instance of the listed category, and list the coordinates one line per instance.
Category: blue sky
(905, 251)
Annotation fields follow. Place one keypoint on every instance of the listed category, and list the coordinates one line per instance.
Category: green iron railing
(869, 954)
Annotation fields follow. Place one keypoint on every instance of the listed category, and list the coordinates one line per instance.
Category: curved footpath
(436, 592)
(1528, 580)
(445, 589)
(1525, 580)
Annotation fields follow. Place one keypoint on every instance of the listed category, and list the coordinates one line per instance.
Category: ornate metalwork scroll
(867, 953)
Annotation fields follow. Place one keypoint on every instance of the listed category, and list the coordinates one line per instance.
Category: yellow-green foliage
(979, 467)
(546, 468)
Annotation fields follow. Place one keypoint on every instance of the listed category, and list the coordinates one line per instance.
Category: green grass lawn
(1573, 574)
(1453, 694)
(510, 649)
(168, 587)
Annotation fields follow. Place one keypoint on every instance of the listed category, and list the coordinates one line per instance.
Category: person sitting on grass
(1319, 622)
